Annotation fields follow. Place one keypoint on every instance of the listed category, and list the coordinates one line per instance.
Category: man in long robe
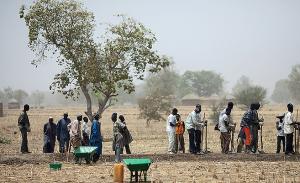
(96, 138)
(62, 133)
(49, 136)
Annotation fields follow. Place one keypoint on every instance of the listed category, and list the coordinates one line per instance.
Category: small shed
(13, 104)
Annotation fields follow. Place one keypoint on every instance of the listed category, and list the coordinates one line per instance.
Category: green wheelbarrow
(85, 152)
(137, 168)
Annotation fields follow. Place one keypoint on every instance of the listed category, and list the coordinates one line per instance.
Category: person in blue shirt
(62, 133)
(96, 138)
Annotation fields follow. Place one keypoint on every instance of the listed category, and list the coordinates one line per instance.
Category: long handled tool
(206, 151)
(261, 138)
(205, 126)
(297, 135)
(232, 138)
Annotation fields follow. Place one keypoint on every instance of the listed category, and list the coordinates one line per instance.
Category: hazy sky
(256, 38)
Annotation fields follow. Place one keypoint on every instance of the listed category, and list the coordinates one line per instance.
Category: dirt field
(148, 142)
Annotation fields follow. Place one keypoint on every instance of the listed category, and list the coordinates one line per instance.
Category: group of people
(247, 140)
(176, 128)
(70, 133)
(77, 133)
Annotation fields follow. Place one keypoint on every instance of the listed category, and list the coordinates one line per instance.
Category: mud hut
(190, 100)
(13, 104)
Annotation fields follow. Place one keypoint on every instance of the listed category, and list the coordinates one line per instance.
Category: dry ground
(148, 142)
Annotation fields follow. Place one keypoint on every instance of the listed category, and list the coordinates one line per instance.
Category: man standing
(229, 106)
(62, 133)
(254, 127)
(49, 136)
(288, 128)
(193, 123)
(118, 139)
(280, 134)
(245, 132)
(171, 123)
(126, 135)
(85, 132)
(96, 138)
(75, 132)
(224, 126)
(24, 126)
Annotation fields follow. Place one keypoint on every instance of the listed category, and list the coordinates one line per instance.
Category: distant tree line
(287, 90)
(8, 94)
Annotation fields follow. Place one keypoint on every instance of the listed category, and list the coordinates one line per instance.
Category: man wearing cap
(193, 124)
(24, 126)
(49, 136)
(280, 134)
(62, 133)
(288, 128)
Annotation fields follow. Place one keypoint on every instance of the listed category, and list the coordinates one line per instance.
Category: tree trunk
(88, 102)
(102, 104)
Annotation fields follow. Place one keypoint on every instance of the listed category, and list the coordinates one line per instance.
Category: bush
(4, 140)
(251, 94)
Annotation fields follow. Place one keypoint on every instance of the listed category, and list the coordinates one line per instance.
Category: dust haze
(258, 39)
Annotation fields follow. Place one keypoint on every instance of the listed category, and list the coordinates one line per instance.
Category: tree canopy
(160, 90)
(250, 95)
(281, 93)
(203, 83)
(66, 29)
(294, 83)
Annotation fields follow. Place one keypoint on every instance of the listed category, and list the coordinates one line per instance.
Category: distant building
(190, 100)
(13, 104)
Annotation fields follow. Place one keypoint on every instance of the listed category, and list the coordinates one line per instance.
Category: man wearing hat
(280, 134)
(49, 136)
(62, 133)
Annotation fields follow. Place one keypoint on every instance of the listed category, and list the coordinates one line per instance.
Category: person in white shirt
(224, 127)
(192, 124)
(288, 128)
(280, 134)
(229, 106)
(170, 128)
(85, 132)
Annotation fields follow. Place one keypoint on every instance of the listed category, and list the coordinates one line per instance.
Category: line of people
(247, 140)
(77, 133)
(71, 134)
